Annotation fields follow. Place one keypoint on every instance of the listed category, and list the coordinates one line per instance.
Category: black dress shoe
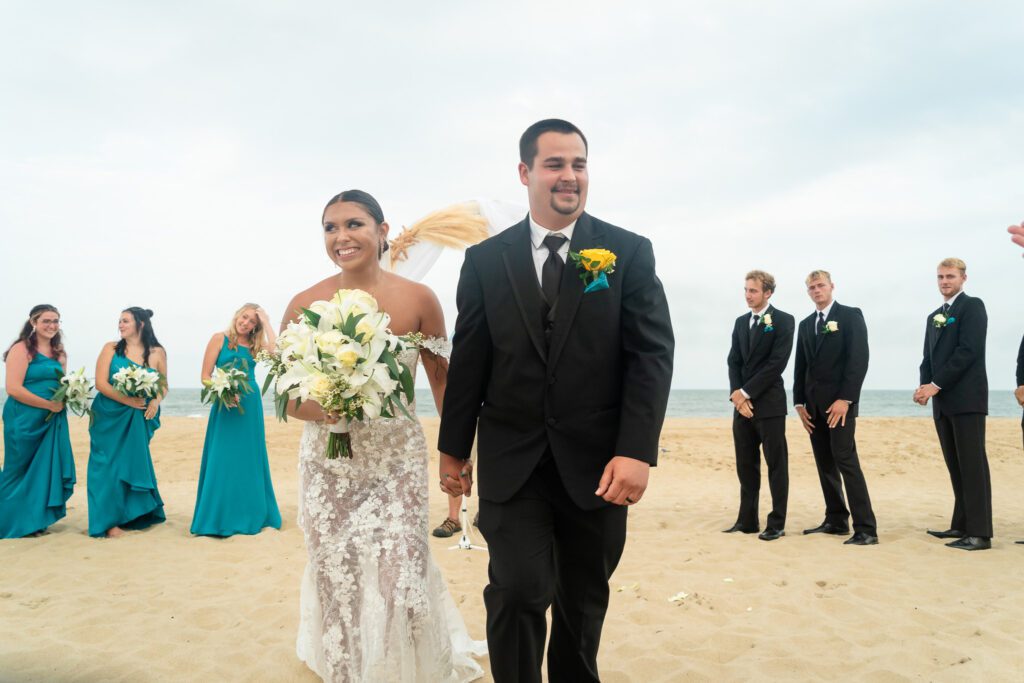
(971, 543)
(742, 529)
(771, 534)
(1019, 542)
(829, 528)
(948, 533)
(861, 538)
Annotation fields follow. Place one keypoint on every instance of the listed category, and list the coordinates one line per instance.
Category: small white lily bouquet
(75, 392)
(136, 380)
(341, 355)
(225, 387)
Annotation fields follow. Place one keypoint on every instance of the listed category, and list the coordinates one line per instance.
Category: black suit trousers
(835, 455)
(749, 437)
(962, 438)
(545, 551)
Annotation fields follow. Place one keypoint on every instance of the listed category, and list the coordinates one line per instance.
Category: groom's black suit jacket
(596, 387)
(756, 362)
(954, 358)
(831, 366)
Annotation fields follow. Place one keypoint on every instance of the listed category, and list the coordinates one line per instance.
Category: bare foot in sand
(115, 532)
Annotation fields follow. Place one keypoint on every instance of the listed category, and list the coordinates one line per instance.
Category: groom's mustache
(566, 188)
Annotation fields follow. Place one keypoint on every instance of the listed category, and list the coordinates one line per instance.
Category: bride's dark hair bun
(149, 313)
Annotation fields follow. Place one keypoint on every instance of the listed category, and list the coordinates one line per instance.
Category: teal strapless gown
(236, 495)
(122, 483)
(39, 467)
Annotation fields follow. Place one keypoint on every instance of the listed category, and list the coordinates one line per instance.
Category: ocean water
(681, 403)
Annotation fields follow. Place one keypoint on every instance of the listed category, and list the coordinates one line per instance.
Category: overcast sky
(177, 156)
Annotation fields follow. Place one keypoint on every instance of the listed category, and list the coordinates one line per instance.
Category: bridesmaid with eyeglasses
(38, 475)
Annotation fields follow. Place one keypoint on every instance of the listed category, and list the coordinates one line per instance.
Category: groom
(566, 389)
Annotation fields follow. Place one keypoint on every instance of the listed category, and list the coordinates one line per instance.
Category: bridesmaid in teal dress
(39, 468)
(122, 483)
(236, 495)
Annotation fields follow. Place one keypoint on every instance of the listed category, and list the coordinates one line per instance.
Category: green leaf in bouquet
(266, 383)
(313, 319)
(348, 328)
(281, 406)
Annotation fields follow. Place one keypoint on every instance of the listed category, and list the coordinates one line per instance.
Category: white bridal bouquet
(342, 355)
(136, 380)
(225, 387)
(74, 392)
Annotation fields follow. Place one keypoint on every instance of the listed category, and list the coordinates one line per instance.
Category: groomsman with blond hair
(831, 363)
(953, 374)
(761, 343)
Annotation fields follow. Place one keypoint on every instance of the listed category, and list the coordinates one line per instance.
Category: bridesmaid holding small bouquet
(131, 378)
(236, 494)
(39, 468)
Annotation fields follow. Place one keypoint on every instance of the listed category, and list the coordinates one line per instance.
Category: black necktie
(945, 309)
(551, 271)
(821, 322)
(753, 327)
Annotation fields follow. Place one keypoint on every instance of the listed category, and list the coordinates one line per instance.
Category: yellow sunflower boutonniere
(595, 266)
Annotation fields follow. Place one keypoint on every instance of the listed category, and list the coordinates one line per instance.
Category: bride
(373, 605)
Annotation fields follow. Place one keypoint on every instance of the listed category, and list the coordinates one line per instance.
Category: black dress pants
(749, 437)
(547, 552)
(962, 438)
(835, 455)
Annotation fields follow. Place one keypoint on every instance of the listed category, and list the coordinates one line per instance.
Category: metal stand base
(465, 543)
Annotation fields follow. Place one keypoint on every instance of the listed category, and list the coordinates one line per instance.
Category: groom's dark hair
(528, 142)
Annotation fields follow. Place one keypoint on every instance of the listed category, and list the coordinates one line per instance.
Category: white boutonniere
(767, 320)
(939, 320)
(831, 327)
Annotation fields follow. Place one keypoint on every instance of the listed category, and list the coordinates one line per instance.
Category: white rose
(832, 326)
(939, 318)
(353, 302)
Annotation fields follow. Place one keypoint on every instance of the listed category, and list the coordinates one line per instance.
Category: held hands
(742, 404)
(136, 402)
(456, 475)
(837, 413)
(805, 419)
(925, 392)
(624, 480)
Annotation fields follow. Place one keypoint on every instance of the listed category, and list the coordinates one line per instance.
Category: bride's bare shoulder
(411, 290)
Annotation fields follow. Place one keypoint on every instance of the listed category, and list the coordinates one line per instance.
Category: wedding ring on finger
(630, 500)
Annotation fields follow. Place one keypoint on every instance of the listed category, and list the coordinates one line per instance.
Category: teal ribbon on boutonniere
(939, 320)
(767, 320)
(595, 265)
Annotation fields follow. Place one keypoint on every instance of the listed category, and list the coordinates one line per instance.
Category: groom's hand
(456, 475)
(624, 480)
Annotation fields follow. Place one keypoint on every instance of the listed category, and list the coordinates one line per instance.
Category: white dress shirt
(750, 324)
(540, 252)
(950, 302)
(826, 311)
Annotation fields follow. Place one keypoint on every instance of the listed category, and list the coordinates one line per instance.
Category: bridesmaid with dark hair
(122, 483)
(38, 475)
(236, 495)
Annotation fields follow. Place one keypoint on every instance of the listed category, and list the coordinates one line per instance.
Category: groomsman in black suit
(831, 363)
(564, 385)
(953, 372)
(761, 343)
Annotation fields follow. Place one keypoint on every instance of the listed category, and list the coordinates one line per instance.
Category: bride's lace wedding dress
(373, 605)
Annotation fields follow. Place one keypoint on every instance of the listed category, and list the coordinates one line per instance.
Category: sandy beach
(160, 605)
